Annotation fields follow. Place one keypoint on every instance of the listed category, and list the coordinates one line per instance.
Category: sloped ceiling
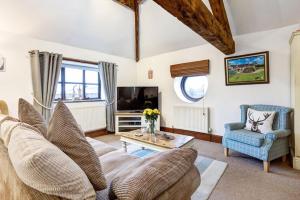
(105, 26)
(161, 32)
(100, 25)
(259, 15)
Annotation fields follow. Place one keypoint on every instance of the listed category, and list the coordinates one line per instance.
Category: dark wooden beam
(196, 16)
(137, 29)
(128, 3)
(218, 10)
(135, 6)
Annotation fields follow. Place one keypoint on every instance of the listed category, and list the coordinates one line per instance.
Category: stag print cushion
(259, 121)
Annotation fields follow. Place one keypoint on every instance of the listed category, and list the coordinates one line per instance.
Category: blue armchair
(265, 147)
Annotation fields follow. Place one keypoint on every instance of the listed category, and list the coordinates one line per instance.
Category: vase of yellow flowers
(151, 116)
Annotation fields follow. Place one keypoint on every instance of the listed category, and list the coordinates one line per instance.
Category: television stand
(135, 112)
(129, 121)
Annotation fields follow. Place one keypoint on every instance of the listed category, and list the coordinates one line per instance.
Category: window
(191, 88)
(78, 82)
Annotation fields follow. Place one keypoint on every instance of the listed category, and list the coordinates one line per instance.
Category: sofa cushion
(115, 161)
(246, 137)
(190, 182)
(149, 177)
(43, 166)
(12, 187)
(29, 115)
(100, 147)
(65, 133)
(112, 163)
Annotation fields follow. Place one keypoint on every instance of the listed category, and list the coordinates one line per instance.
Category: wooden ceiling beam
(135, 6)
(137, 29)
(218, 10)
(196, 16)
(128, 3)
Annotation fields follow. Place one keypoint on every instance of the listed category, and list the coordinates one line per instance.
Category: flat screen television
(136, 99)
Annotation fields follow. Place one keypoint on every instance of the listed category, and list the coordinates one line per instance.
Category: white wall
(222, 100)
(16, 81)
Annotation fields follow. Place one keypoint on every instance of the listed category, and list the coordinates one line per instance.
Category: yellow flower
(151, 112)
(147, 111)
(156, 111)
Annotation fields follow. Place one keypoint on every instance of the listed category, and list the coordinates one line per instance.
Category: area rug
(210, 170)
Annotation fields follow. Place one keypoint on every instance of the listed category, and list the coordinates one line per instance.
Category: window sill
(81, 101)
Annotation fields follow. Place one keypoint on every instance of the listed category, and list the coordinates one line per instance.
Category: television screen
(136, 98)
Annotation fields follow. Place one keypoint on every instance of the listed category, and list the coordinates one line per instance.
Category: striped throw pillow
(65, 133)
(29, 115)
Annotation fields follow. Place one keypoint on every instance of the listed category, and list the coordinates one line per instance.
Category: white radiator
(191, 118)
(89, 117)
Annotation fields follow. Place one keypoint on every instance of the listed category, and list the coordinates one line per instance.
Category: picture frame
(247, 69)
(2, 64)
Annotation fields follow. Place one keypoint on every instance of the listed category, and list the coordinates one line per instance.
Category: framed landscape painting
(247, 69)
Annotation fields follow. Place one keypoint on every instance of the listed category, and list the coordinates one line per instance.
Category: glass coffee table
(158, 142)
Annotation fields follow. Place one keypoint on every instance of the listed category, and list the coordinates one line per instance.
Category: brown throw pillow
(65, 133)
(151, 176)
(29, 115)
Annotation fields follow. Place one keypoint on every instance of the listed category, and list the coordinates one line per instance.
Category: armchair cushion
(246, 137)
(259, 121)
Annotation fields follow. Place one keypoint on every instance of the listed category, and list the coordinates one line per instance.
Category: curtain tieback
(108, 104)
(43, 106)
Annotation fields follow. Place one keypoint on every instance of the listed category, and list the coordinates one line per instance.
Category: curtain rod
(84, 61)
(78, 60)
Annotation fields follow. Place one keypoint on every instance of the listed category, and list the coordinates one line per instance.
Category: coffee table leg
(125, 146)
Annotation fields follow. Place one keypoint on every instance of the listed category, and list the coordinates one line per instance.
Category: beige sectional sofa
(116, 166)
(112, 160)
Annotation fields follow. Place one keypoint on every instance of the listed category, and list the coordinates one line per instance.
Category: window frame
(184, 93)
(63, 82)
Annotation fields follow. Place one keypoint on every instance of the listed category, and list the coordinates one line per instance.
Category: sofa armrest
(184, 187)
(150, 177)
(234, 126)
(274, 135)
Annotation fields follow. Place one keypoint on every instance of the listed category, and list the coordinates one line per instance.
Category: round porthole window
(191, 88)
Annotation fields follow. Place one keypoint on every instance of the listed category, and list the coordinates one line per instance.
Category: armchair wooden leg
(226, 152)
(283, 158)
(266, 166)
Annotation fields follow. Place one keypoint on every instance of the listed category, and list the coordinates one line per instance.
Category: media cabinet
(125, 122)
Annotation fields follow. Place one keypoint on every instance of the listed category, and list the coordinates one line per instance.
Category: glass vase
(152, 127)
